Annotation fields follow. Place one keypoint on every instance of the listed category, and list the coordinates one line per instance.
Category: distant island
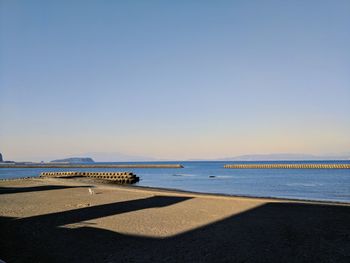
(74, 160)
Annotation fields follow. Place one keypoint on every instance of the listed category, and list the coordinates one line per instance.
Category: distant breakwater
(91, 166)
(287, 166)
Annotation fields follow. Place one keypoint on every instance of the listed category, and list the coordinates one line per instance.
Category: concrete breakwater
(91, 166)
(116, 177)
(287, 166)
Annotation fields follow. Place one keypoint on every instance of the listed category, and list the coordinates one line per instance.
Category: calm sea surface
(310, 184)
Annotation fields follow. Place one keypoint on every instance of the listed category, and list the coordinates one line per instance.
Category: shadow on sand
(274, 232)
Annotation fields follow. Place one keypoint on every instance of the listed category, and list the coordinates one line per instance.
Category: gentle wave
(185, 175)
(305, 184)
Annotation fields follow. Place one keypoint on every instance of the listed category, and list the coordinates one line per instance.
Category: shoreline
(178, 191)
(215, 195)
(93, 183)
(265, 198)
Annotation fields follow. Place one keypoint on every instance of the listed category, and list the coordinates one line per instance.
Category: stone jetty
(115, 177)
(56, 165)
(288, 166)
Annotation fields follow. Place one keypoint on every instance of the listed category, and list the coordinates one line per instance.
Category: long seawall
(91, 166)
(287, 166)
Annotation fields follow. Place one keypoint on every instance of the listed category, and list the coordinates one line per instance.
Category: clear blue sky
(174, 79)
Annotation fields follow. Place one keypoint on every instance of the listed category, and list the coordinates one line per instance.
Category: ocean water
(211, 177)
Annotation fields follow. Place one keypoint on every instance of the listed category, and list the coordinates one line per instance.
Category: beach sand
(58, 220)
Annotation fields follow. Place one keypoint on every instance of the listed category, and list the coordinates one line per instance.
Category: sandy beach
(59, 220)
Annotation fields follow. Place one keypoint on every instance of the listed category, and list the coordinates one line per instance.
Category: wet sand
(58, 220)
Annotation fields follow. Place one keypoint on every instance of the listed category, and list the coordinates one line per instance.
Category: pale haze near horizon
(174, 80)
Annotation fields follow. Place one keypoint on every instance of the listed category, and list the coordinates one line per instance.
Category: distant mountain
(284, 157)
(74, 160)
